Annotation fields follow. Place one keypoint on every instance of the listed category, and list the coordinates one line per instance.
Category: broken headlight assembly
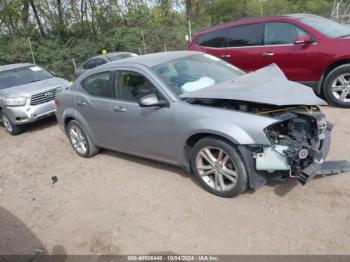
(298, 142)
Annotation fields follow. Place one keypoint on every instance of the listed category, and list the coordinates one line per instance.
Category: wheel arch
(194, 138)
(255, 179)
(329, 69)
(79, 118)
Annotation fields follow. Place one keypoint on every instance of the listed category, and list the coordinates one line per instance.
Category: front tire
(218, 167)
(80, 141)
(336, 87)
(10, 127)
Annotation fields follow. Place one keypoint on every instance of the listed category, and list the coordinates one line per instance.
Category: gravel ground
(119, 204)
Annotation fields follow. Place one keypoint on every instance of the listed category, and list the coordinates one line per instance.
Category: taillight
(56, 102)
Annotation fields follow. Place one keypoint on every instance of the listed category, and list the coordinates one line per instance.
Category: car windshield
(21, 76)
(195, 72)
(326, 26)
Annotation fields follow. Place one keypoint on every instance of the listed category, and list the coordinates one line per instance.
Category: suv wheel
(80, 141)
(336, 86)
(10, 127)
(219, 168)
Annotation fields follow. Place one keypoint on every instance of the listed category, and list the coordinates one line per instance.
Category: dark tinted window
(279, 33)
(99, 85)
(21, 76)
(247, 35)
(213, 39)
(100, 61)
(131, 86)
(90, 64)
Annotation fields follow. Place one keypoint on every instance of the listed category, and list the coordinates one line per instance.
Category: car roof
(155, 59)
(117, 53)
(14, 66)
(108, 55)
(256, 19)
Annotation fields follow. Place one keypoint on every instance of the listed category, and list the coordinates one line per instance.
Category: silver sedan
(232, 130)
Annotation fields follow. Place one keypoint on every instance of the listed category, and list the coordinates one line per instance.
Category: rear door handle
(225, 56)
(119, 109)
(81, 103)
(268, 54)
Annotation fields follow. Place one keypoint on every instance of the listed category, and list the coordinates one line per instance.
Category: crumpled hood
(33, 88)
(268, 85)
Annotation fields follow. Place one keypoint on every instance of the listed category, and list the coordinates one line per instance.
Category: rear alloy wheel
(10, 127)
(80, 141)
(337, 86)
(219, 168)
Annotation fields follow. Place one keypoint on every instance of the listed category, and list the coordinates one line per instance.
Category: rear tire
(80, 141)
(10, 127)
(219, 168)
(336, 87)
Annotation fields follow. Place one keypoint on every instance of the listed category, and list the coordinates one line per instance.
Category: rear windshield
(21, 76)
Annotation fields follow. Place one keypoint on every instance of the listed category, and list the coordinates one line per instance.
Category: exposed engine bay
(296, 139)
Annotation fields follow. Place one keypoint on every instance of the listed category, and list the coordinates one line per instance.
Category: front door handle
(268, 54)
(81, 103)
(225, 56)
(119, 109)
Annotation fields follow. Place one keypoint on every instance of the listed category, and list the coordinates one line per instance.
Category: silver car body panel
(162, 133)
(268, 85)
(29, 113)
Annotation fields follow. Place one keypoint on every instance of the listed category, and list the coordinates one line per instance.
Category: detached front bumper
(312, 170)
(29, 113)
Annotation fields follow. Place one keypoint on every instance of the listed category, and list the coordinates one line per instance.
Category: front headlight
(15, 101)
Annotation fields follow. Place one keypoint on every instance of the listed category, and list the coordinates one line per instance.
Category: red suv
(309, 49)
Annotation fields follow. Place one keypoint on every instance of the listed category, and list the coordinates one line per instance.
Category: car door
(93, 103)
(140, 130)
(244, 46)
(297, 61)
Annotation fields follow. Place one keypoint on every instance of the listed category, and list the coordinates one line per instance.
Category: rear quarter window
(215, 39)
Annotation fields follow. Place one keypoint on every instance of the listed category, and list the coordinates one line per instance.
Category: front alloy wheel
(9, 126)
(218, 167)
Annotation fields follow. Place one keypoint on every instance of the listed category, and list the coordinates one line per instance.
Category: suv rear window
(213, 39)
(247, 35)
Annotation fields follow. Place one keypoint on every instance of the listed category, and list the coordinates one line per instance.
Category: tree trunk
(25, 15)
(36, 15)
(61, 30)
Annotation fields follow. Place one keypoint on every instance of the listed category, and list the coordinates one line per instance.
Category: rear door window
(90, 64)
(99, 85)
(281, 33)
(216, 39)
(247, 35)
(100, 61)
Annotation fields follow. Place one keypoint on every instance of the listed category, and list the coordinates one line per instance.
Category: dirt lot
(119, 204)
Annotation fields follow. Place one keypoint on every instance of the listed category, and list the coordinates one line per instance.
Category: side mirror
(151, 100)
(303, 40)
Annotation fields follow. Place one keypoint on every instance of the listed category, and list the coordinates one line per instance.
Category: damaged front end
(300, 142)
